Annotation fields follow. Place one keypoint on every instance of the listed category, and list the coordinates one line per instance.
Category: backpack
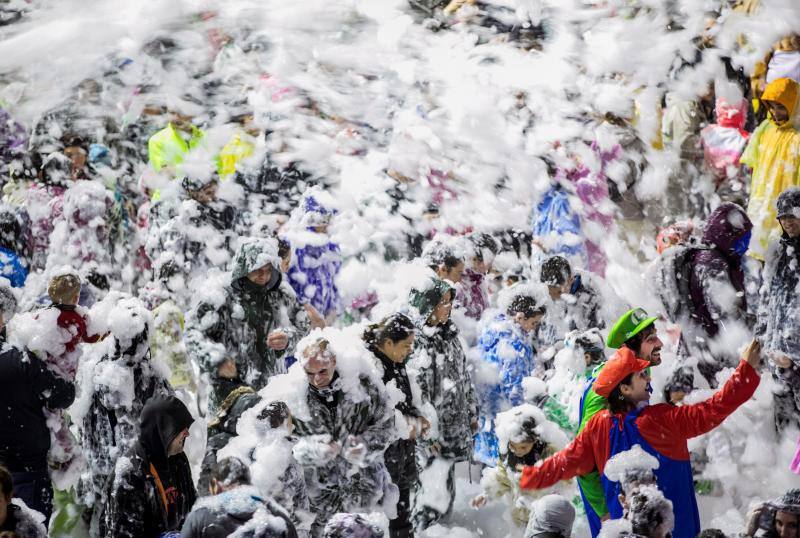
(673, 277)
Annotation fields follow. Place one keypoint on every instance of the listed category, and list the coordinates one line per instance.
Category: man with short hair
(151, 490)
(342, 436)
(661, 430)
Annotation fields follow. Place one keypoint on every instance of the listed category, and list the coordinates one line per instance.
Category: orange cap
(618, 367)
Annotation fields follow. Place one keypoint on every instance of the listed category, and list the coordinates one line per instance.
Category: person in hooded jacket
(151, 490)
(471, 294)
(222, 428)
(391, 342)
(717, 285)
(111, 423)
(257, 324)
(439, 365)
(772, 154)
(779, 310)
(16, 521)
(27, 386)
(551, 517)
(506, 346)
(341, 437)
(317, 259)
(235, 506)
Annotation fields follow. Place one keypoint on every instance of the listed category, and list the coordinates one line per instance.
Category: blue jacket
(555, 221)
(11, 268)
(505, 346)
(313, 276)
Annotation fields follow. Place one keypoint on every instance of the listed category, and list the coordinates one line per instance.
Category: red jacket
(72, 321)
(665, 427)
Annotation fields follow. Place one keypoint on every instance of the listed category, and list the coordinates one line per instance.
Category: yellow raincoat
(240, 147)
(774, 155)
(168, 148)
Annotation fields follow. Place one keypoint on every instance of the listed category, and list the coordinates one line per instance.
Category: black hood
(244, 285)
(163, 418)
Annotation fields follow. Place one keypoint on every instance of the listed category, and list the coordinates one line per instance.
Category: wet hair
(617, 402)
(275, 414)
(448, 260)
(393, 328)
(526, 305)
(529, 435)
(62, 288)
(481, 241)
(230, 471)
(555, 271)
(284, 248)
(6, 482)
(98, 280)
(647, 513)
(317, 347)
(589, 346)
(711, 533)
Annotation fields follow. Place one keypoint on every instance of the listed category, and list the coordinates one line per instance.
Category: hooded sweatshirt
(719, 269)
(773, 153)
(152, 492)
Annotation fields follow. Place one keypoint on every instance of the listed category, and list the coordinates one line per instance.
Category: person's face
(398, 351)
(528, 324)
(206, 195)
(778, 112)
(786, 525)
(481, 266)
(77, 157)
(441, 313)
(176, 446)
(676, 396)
(651, 348)
(321, 229)
(520, 449)
(320, 371)
(260, 276)
(637, 391)
(557, 291)
(790, 225)
(452, 274)
(289, 423)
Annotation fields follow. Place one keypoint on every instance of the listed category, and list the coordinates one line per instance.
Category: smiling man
(661, 430)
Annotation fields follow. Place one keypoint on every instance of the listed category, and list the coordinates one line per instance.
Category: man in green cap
(633, 334)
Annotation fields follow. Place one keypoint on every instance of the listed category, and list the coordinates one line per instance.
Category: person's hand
(314, 317)
(473, 424)
(435, 448)
(425, 426)
(277, 340)
(752, 355)
(478, 501)
(227, 369)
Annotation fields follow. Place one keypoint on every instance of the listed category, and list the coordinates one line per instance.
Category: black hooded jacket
(150, 492)
(26, 387)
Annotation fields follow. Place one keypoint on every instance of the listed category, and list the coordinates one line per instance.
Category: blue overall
(674, 478)
(594, 519)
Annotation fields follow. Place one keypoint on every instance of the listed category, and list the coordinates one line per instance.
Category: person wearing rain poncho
(779, 310)
(317, 260)
(246, 336)
(342, 433)
(773, 153)
(526, 437)
(439, 366)
(507, 353)
(116, 388)
(661, 430)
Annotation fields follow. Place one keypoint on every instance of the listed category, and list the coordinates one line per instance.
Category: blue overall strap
(594, 519)
(673, 477)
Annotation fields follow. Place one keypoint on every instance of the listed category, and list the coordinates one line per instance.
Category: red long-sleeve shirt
(664, 427)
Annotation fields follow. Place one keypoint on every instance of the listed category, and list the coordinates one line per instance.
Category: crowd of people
(206, 334)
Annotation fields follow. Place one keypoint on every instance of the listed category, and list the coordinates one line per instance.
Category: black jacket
(400, 455)
(223, 514)
(223, 428)
(26, 386)
(151, 493)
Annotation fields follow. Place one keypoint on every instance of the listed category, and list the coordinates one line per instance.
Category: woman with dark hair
(391, 342)
(440, 366)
